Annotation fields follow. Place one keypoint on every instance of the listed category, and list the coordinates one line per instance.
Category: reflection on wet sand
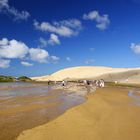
(107, 115)
(135, 95)
(25, 106)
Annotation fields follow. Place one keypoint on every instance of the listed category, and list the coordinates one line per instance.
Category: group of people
(96, 83)
(91, 85)
(88, 83)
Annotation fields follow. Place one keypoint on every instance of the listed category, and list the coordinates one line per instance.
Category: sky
(42, 36)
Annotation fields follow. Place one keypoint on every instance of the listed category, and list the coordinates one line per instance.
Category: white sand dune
(90, 72)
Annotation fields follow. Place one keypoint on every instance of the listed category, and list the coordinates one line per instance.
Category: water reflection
(135, 97)
(26, 105)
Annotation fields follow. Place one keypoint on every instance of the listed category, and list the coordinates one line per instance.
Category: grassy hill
(13, 79)
(7, 78)
(24, 79)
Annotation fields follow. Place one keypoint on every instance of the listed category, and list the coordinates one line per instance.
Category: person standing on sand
(49, 82)
(85, 82)
(87, 85)
(63, 83)
(88, 82)
(102, 83)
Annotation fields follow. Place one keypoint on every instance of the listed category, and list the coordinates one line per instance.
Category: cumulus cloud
(12, 49)
(17, 15)
(89, 61)
(53, 40)
(102, 21)
(4, 41)
(66, 28)
(135, 48)
(27, 64)
(38, 55)
(4, 63)
(68, 59)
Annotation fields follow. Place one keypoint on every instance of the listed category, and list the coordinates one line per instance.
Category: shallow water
(26, 105)
(135, 95)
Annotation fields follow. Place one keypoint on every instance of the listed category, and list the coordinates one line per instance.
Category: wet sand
(26, 106)
(109, 114)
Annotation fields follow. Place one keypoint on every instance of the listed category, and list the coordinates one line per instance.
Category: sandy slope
(90, 72)
(109, 114)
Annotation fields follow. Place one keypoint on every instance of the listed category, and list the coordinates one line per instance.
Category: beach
(110, 113)
(70, 70)
(27, 105)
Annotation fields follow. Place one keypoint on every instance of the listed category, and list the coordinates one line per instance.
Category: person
(63, 83)
(87, 85)
(49, 82)
(97, 83)
(85, 82)
(102, 84)
(88, 82)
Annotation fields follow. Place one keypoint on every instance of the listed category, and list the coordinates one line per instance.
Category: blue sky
(40, 37)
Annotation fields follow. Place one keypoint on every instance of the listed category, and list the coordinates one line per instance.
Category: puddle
(135, 97)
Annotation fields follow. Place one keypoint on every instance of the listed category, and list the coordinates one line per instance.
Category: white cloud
(3, 3)
(4, 63)
(62, 30)
(89, 61)
(66, 28)
(135, 48)
(27, 64)
(23, 15)
(4, 41)
(101, 20)
(54, 59)
(54, 39)
(68, 59)
(6, 8)
(12, 49)
(38, 55)
(72, 23)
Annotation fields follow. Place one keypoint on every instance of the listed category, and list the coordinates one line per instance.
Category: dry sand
(128, 75)
(109, 114)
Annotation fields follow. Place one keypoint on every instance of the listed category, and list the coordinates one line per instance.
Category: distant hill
(7, 78)
(24, 79)
(13, 79)
(123, 75)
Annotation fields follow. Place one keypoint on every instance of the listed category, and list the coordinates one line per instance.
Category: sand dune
(89, 72)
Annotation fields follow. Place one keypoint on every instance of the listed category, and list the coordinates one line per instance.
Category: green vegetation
(24, 79)
(13, 79)
(7, 78)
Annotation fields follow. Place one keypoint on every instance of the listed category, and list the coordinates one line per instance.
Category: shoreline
(105, 115)
(25, 109)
